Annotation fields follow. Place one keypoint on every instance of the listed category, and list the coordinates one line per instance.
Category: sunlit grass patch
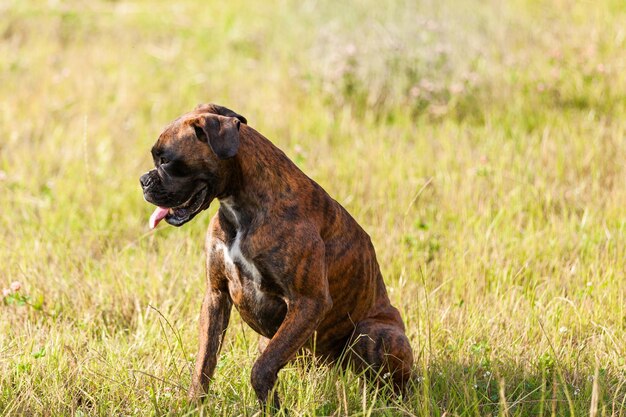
(482, 147)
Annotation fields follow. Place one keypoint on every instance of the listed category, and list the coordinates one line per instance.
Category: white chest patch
(233, 255)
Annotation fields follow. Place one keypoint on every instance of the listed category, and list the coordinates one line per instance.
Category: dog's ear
(221, 133)
(220, 110)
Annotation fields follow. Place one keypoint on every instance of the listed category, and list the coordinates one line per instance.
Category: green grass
(481, 144)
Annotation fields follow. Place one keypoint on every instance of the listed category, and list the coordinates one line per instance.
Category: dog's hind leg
(380, 349)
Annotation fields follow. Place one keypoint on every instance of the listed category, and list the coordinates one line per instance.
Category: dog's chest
(233, 253)
(262, 310)
(234, 256)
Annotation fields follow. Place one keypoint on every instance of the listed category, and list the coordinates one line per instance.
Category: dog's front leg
(214, 318)
(307, 304)
(303, 317)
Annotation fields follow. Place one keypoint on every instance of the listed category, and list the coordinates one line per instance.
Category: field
(482, 145)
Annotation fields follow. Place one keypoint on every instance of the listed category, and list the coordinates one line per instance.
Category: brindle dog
(298, 268)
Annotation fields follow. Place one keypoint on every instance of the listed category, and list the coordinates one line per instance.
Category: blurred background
(480, 143)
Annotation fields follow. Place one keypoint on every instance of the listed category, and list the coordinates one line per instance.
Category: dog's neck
(255, 180)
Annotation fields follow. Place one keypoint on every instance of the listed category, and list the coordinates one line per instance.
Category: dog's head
(191, 163)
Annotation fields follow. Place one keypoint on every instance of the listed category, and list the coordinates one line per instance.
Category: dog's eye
(163, 161)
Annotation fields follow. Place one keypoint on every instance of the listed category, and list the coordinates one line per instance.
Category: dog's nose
(144, 180)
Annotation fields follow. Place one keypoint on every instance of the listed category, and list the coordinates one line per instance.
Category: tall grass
(481, 144)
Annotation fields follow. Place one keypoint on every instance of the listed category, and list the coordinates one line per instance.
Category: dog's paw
(196, 393)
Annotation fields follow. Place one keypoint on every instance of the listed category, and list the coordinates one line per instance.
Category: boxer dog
(299, 269)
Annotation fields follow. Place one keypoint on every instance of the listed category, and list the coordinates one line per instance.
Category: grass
(481, 144)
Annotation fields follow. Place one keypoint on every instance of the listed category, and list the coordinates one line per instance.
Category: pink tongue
(158, 215)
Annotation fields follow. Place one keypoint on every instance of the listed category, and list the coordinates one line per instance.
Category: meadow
(482, 145)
